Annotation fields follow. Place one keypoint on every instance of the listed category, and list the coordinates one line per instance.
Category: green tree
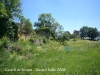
(27, 28)
(54, 28)
(12, 31)
(59, 31)
(2, 10)
(72, 36)
(60, 34)
(68, 32)
(9, 11)
(92, 33)
(48, 23)
(66, 36)
(83, 32)
(63, 37)
(45, 20)
(37, 25)
(89, 32)
(99, 33)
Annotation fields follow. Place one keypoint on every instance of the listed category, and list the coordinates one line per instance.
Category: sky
(71, 14)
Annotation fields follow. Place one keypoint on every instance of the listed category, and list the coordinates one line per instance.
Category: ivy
(47, 29)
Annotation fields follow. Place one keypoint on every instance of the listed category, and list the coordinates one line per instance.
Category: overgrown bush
(51, 38)
(66, 43)
(44, 40)
(4, 44)
(31, 40)
(74, 39)
(17, 49)
(72, 36)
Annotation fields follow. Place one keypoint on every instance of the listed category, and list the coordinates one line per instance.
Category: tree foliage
(2, 10)
(47, 22)
(12, 31)
(92, 33)
(83, 31)
(56, 28)
(27, 28)
(72, 36)
(9, 11)
(64, 36)
(99, 33)
(44, 20)
(89, 32)
(10, 8)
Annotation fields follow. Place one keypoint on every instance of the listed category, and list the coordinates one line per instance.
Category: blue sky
(71, 14)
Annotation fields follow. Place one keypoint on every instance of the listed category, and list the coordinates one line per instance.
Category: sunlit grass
(83, 58)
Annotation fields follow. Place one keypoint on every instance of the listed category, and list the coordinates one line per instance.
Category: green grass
(83, 58)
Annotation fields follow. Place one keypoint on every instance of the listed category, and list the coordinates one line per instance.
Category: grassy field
(83, 58)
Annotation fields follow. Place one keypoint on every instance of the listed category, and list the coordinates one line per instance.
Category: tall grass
(52, 59)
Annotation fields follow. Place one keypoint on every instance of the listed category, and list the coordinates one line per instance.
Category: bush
(74, 39)
(72, 36)
(4, 45)
(51, 38)
(18, 48)
(31, 40)
(44, 40)
(66, 43)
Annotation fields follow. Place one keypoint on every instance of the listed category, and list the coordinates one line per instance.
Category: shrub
(44, 40)
(18, 48)
(31, 40)
(66, 43)
(4, 45)
(74, 39)
(51, 38)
